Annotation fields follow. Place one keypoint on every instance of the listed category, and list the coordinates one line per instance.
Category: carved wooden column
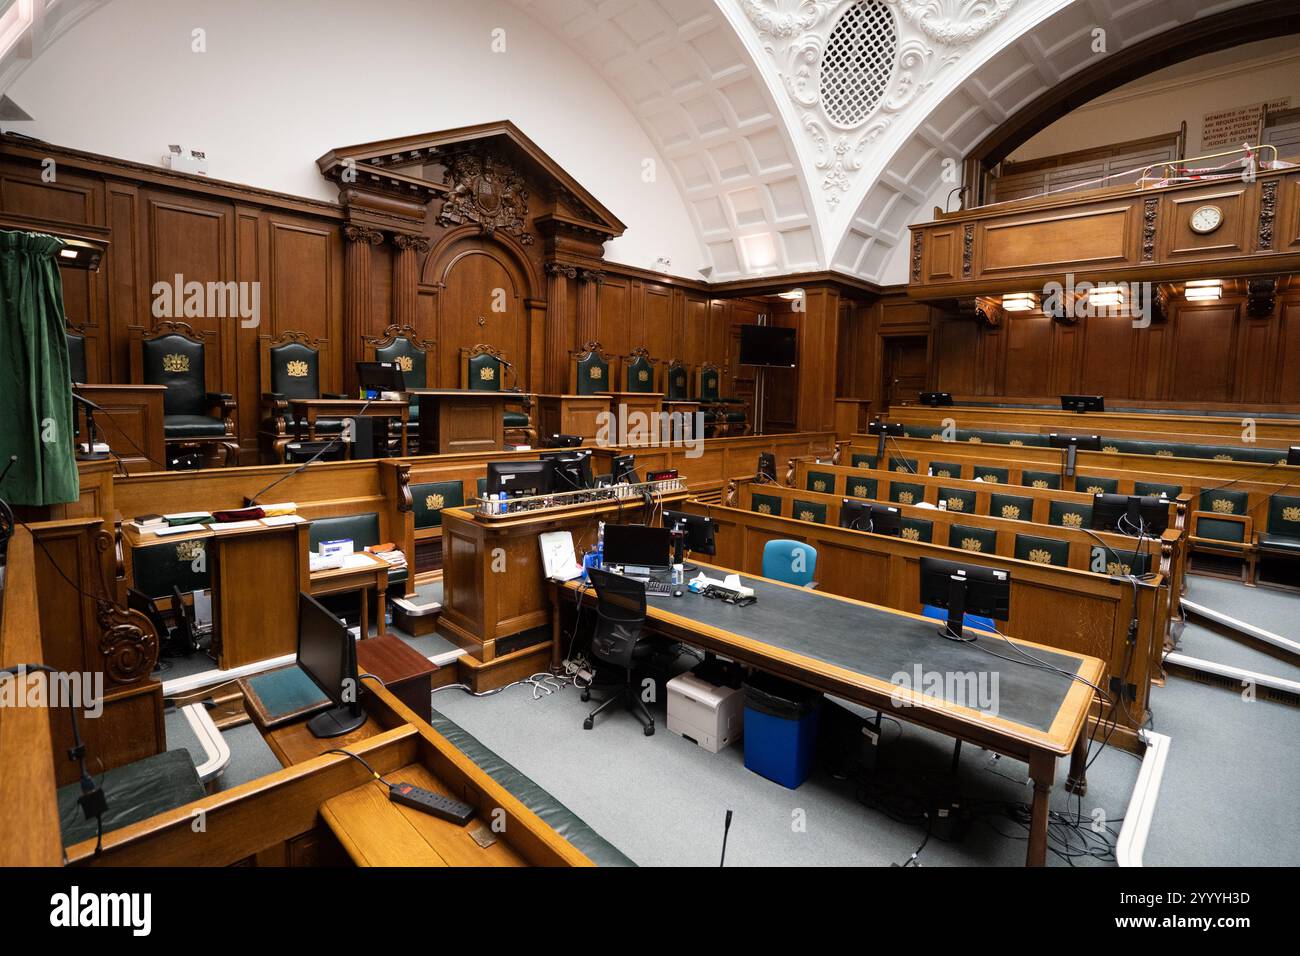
(555, 379)
(588, 329)
(406, 276)
(356, 292)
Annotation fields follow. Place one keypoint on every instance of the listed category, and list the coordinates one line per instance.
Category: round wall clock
(1206, 219)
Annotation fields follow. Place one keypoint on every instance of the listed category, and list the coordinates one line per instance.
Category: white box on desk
(713, 717)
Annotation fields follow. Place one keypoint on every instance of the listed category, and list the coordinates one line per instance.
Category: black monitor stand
(880, 449)
(1134, 515)
(1071, 456)
(954, 629)
(337, 721)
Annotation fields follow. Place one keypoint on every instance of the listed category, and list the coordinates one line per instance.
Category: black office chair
(167, 642)
(618, 640)
(185, 635)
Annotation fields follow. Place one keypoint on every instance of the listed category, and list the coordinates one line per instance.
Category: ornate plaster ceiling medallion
(853, 66)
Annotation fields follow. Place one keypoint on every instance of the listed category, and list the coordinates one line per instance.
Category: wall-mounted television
(768, 345)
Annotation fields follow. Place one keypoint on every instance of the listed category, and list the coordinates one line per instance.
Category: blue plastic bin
(780, 729)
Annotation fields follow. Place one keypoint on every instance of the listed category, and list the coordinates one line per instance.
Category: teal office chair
(790, 561)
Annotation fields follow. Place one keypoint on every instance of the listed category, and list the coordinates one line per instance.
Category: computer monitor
(1072, 444)
(328, 655)
(935, 399)
(883, 430)
(520, 479)
(870, 516)
(637, 548)
(380, 377)
(1133, 515)
(964, 589)
(767, 466)
(1083, 403)
(698, 529)
(572, 469)
(562, 441)
(1293, 455)
(623, 468)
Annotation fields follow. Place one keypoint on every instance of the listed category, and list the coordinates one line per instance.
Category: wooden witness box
(131, 423)
(462, 420)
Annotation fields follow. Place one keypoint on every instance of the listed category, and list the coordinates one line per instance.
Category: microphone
(726, 828)
(9, 464)
(86, 403)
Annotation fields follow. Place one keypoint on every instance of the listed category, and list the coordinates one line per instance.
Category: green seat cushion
(1040, 479)
(906, 492)
(1012, 507)
(1040, 550)
(192, 426)
(515, 420)
(958, 499)
(1096, 486)
(997, 476)
(1069, 514)
(917, 529)
(734, 416)
(1279, 544)
(808, 511)
(555, 814)
(945, 469)
(1284, 517)
(1157, 488)
(977, 540)
(859, 460)
(1221, 529)
(856, 487)
(430, 497)
(134, 792)
(1224, 501)
(822, 482)
(765, 504)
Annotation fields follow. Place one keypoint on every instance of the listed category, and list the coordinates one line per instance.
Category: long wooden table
(858, 649)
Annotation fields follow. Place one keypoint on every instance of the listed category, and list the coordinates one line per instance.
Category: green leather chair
(591, 370)
(1096, 486)
(290, 367)
(724, 415)
(855, 487)
(960, 500)
(1280, 541)
(639, 371)
(483, 370)
(77, 369)
(859, 460)
(677, 382)
(157, 568)
(765, 504)
(1040, 550)
(808, 511)
(1012, 507)
(402, 345)
(945, 469)
(976, 540)
(1069, 514)
(1040, 479)
(822, 482)
(906, 492)
(172, 354)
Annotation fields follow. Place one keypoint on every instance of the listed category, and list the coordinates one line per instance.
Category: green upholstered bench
(134, 792)
(555, 814)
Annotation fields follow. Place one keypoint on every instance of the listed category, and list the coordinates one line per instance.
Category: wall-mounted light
(793, 295)
(1106, 296)
(77, 254)
(1203, 290)
(1019, 302)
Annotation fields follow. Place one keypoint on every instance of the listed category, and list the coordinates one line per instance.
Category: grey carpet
(1269, 608)
(1197, 640)
(250, 757)
(662, 800)
(1228, 795)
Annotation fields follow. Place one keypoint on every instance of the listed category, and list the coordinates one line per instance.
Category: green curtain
(35, 382)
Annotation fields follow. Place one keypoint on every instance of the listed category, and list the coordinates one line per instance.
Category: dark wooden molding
(1267, 214)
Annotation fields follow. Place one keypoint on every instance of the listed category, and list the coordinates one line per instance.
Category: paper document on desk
(179, 529)
(235, 525)
(275, 521)
(558, 561)
(359, 559)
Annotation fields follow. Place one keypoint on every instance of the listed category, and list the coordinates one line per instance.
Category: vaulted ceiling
(804, 134)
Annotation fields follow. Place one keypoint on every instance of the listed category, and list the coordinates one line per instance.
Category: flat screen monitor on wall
(768, 345)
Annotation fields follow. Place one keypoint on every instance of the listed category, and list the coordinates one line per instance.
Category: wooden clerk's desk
(571, 414)
(256, 574)
(857, 648)
(372, 575)
(131, 423)
(307, 410)
(462, 420)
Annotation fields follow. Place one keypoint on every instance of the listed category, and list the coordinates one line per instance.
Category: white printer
(708, 715)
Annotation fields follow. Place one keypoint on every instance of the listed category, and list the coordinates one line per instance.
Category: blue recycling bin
(780, 729)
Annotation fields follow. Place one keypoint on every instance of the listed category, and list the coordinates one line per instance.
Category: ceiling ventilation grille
(858, 62)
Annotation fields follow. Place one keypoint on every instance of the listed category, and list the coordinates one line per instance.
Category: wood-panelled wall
(1202, 352)
(339, 282)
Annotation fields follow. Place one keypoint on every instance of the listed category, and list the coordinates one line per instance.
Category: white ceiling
(727, 91)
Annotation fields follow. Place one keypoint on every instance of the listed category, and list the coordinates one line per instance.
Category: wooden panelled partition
(528, 278)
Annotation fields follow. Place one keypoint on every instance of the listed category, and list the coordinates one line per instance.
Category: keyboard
(658, 587)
